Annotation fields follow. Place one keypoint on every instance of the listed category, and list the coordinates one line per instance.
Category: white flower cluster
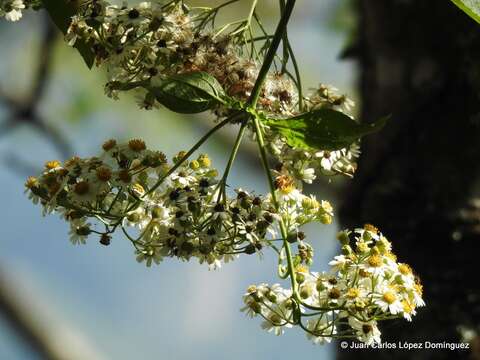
(366, 285)
(179, 211)
(11, 10)
(143, 44)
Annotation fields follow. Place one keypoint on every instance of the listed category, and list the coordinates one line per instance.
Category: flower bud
(256, 296)
(134, 217)
(205, 249)
(275, 319)
(300, 277)
(367, 236)
(383, 245)
(179, 156)
(204, 161)
(105, 239)
(362, 247)
(320, 286)
(187, 247)
(326, 219)
(272, 297)
(292, 238)
(346, 250)
(289, 304)
(83, 230)
(250, 249)
(305, 292)
(194, 165)
(158, 212)
(342, 236)
(256, 307)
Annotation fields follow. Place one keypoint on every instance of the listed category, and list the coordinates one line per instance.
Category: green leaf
(189, 93)
(61, 12)
(323, 129)
(470, 7)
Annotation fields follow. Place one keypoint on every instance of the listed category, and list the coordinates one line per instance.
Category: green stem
(287, 55)
(252, 11)
(231, 160)
(271, 183)
(297, 75)
(272, 51)
(192, 150)
(284, 41)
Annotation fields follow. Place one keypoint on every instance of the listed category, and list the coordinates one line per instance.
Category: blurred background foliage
(92, 302)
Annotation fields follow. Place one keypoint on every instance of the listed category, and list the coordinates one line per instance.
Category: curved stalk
(192, 150)
(269, 58)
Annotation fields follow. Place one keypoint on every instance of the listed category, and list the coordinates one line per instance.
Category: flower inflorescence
(140, 46)
(181, 208)
(365, 285)
(11, 10)
(166, 210)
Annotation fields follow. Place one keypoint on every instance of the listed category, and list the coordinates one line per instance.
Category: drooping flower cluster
(178, 210)
(182, 209)
(366, 285)
(140, 46)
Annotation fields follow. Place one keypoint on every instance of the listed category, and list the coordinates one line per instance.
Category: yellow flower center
(371, 228)
(375, 261)
(362, 247)
(31, 182)
(353, 293)
(418, 288)
(301, 269)
(204, 160)
(408, 307)
(285, 184)
(391, 256)
(50, 165)
(404, 269)
(389, 297)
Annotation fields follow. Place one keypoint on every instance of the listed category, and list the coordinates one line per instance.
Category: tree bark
(420, 61)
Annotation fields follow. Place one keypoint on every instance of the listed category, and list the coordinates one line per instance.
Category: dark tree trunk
(420, 61)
